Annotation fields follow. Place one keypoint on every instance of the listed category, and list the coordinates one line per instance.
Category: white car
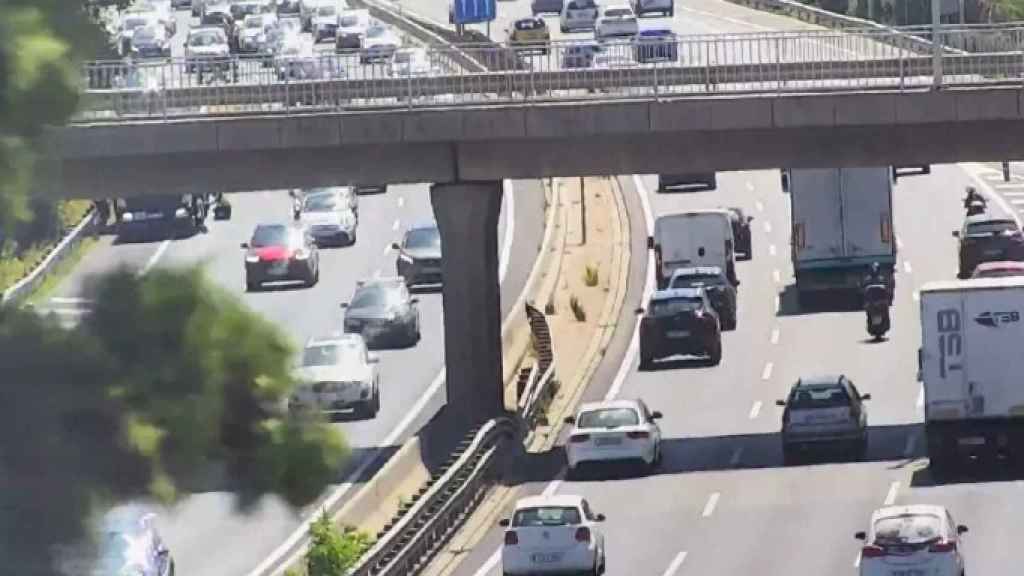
(553, 535)
(257, 33)
(616, 21)
(380, 44)
(578, 15)
(352, 26)
(910, 541)
(206, 48)
(331, 215)
(411, 62)
(337, 374)
(325, 22)
(613, 431)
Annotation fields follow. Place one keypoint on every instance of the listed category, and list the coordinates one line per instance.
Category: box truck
(971, 367)
(841, 224)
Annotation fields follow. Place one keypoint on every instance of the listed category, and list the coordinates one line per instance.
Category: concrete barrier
(21, 290)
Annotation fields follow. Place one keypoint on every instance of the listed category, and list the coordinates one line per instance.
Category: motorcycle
(975, 206)
(876, 305)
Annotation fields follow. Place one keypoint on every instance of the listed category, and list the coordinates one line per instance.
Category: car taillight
(583, 534)
(579, 438)
(698, 314)
(511, 538)
(872, 551)
(943, 547)
(639, 434)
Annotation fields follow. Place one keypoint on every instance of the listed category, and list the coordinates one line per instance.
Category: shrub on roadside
(577, 309)
(333, 552)
(590, 276)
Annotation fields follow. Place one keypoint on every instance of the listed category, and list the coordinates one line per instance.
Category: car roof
(553, 500)
(669, 293)
(623, 403)
(818, 380)
(694, 270)
(888, 511)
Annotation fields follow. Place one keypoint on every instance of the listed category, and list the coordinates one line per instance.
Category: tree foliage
(333, 552)
(165, 380)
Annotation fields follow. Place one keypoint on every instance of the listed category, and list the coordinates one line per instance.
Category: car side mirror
(244, 245)
(865, 396)
(650, 242)
(961, 529)
(372, 358)
(570, 420)
(780, 402)
(395, 246)
(639, 310)
(956, 233)
(600, 518)
(504, 523)
(860, 535)
(656, 415)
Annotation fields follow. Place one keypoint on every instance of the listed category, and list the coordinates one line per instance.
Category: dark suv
(679, 321)
(720, 291)
(419, 256)
(985, 238)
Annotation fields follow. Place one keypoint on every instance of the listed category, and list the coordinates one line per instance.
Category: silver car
(824, 411)
(380, 44)
(330, 214)
(384, 312)
(336, 375)
(127, 543)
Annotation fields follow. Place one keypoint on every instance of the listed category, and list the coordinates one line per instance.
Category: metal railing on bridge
(653, 66)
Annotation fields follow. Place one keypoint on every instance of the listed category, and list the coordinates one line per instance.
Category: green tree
(333, 552)
(168, 378)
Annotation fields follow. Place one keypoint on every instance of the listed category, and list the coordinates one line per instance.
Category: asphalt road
(207, 537)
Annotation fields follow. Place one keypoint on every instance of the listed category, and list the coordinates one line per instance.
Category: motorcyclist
(973, 197)
(877, 301)
(874, 275)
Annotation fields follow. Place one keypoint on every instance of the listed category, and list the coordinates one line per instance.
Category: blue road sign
(472, 11)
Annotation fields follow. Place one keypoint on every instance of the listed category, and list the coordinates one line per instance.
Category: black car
(679, 321)
(281, 252)
(720, 291)
(824, 411)
(384, 312)
(159, 217)
(986, 238)
(687, 182)
(741, 232)
(419, 255)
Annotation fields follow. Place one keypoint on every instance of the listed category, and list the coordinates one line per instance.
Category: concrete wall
(531, 141)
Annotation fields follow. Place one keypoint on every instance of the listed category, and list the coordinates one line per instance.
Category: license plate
(678, 333)
(278, 269)
(607, 441)
(546, 558)
(971, 441)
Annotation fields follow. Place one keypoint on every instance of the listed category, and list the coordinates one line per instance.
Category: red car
(281, 252)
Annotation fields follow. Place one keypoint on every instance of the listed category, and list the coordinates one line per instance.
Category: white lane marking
(709, 508)
(510, 220)
(737, 454)
(776, 276)
(396, 225)
(750, 187)
(634, 343)
(490, 565)
(908, 450)
(72, 300)
(766, 373)
(920, 397)
(759, 205)
(916, 296)
(771, 249)
(755, 410)
(775, 337)
(387, 249)
(778, 303)
(906, 267)
(890, 497)
(676, 564)
(768, 227)
(856, 561)
(280, 553)
(551, 488)
(155, 257)
(899, 242)
(401, 201)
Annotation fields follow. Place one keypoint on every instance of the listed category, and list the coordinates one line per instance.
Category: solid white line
(856, 561)
(709, 508)
(755, 410)
(676, 564)
(894, 489)
(491, 564)
(920, 397)
(551, 488)
(396, 225)
(771, 249)
(908, 450)
(72, 300)
(775, 336)
(510, 227)
(401, 201)
(899, 242)
(768, 227)
(155, 257)
(906, 267)
(776, 276)
(767, 372)
(737, 454)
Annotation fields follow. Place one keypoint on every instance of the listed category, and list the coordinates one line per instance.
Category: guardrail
(537, 391)
(22, 289)
(788, 62)
(410, 543)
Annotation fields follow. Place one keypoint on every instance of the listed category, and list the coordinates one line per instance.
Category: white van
(689, 239)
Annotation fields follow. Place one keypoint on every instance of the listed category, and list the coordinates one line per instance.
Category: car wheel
(646, 362)
(715, 356)
(573, 473)
(251, 286)
(862, 448)
(732, 322)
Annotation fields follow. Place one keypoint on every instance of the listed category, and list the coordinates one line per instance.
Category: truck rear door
(993, 333)
(944, 355)
(817, 216)
(867, 212)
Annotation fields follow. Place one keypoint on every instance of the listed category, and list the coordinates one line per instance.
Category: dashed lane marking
(755, 410)
(768, 227)
(396, 225)
(771, 249)
(775, 337)
(709, 508)
(766, 373)
(920, 398)
(776, 276)
(676, 564)
(401, 201)
(759, 205)
(890, 497)
(906, 267)
(778, 303)
(750, 186)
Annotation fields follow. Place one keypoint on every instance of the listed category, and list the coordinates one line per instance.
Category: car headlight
(127, 217)
(252, 258)
(406, 258)
(180, 213)
(301, 254)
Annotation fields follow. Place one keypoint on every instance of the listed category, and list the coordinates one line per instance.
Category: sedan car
(380, 44)
(529, 34)
(553, 535)
(419, 255)
(330, 216)
(824, 411)
(987, 238)
(616, 21)
(679, 321)
(741, 232)
(384, 312)
(910, 540)
(998, 269)
(280, 252)
(715, 283)
(613, 431)
(336, 375)
(151, 42)
(127, 542)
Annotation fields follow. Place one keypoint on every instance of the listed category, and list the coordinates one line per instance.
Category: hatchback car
(384, 312)
(998, 269)
(613, 431)
(206, 48)
(578, 15)
(741, 232)
(824, 411)
(330, 215)
(337, 375)
(985, 238)
(715, 283)
(912, 540)
(279, 252)
(529, 34)
(616, 21)
(127, 542)
(679, 321)
(553, 535)
(419, 255)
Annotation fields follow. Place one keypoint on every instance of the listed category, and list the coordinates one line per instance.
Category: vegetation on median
(332, 551)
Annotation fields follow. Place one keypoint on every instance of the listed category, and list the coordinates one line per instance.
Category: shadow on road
(790, 304)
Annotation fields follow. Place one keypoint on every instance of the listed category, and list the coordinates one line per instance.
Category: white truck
(970, 366)
(841, 224)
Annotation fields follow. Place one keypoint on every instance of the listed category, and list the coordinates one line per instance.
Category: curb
(23, 288)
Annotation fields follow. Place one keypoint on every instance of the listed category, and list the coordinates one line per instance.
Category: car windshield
(907, 529)
(547, 516)
(608, 418)
(376, 297)
(1000, 272)
(672, 306)
(326, 11)
(991, 227)
(348, 20)
(331, 354)
(696, 280)
(276, 235)
(206, 39)
(811, 397)
(423, 238)
(320, 203)
(375, 32)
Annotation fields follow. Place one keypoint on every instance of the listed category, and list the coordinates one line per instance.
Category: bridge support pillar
(467, 217)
